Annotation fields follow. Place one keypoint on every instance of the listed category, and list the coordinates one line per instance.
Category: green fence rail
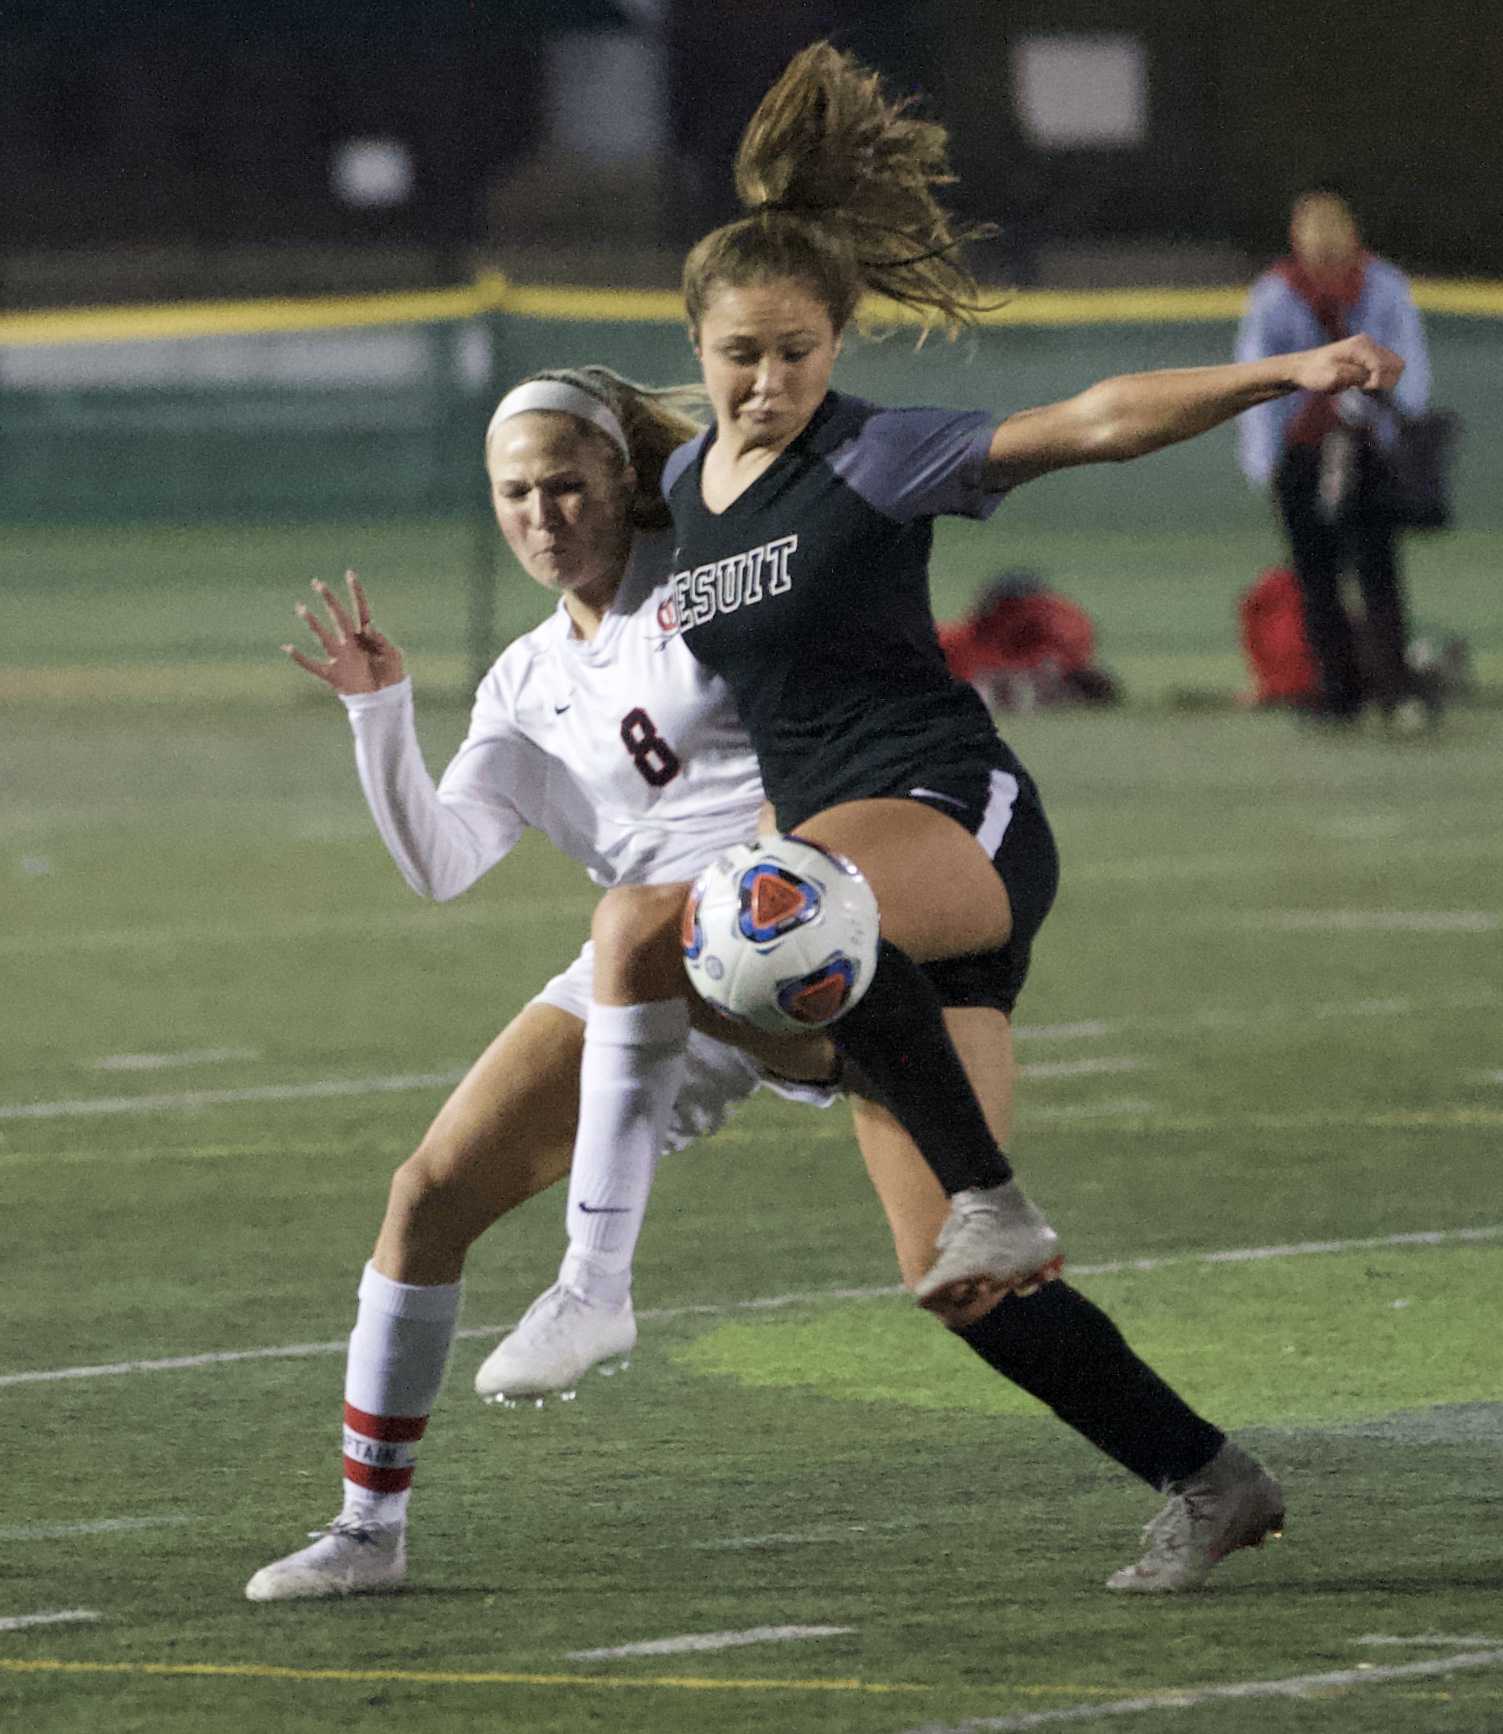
(290, 411)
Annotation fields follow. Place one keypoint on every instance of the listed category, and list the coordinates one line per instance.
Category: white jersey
(621, 748)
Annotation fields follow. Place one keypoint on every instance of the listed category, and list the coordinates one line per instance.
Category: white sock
(398, 1350)
(635, 1058)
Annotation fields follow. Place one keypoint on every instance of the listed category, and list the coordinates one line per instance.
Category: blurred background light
(371, 173)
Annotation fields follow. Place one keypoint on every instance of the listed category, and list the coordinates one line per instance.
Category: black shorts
(1027, 862)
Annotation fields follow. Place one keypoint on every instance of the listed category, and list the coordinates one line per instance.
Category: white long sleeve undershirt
(441, 842)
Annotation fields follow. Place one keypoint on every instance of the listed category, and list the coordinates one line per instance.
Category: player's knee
(635, 933)
(417, 1187)
(430, 1203)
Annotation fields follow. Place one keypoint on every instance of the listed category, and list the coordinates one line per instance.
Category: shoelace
(352, 1527)
(552, 1305)
(549, 1313)
(556, 1309)
(1174, 1528)
(1168, 1532)
(964, 1212)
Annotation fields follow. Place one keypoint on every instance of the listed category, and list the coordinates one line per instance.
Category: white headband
(558, 394)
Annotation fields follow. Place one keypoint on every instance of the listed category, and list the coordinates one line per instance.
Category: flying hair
(839, 183)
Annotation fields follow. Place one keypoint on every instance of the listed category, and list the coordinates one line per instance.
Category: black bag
(1418, 464)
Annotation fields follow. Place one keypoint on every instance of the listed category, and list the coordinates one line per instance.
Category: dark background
(178, 132)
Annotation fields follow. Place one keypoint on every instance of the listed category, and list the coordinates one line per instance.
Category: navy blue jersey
(809, 596)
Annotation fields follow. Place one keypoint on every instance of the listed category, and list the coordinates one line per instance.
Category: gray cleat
(1233, 1502)
(992, 1235)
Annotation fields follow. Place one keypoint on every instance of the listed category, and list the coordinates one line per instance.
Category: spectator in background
(1324, 457)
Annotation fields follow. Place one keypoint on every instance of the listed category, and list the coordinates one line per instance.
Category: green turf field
(1266, 1018)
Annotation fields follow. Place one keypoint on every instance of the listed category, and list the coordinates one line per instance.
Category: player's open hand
(358, 658)
(1355, 361)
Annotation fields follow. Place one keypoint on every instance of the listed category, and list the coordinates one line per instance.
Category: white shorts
(719, 1076)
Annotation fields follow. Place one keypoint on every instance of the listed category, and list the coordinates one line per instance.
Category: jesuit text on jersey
(726, 585)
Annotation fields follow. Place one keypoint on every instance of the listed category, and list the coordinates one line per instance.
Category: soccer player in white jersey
(600, 730)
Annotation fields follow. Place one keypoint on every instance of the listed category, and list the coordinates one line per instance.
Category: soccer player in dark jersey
(803, 520)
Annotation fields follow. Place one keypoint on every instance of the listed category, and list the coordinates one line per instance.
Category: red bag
(1273, 640)
(1019, 634)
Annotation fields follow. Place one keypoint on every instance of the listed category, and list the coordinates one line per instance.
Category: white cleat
(1233, 1502)
(992, 1235)
(349, 1558)
(558, 1339)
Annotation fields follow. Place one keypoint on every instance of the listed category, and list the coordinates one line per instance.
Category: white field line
(1359, 827)
(1446, 1117)
(1376, 921)
(167, 1062)
(319, 1089)
(1114, 1108)
(1189, 1697)
(96, 1526)
(1139, 869)
(1430, 1640)
(1241, 1017)
(424, 924)
(1227, 1017)
(64, 1617)
(836, 1535)
(1210, 1017)
(1133, 1114)
(499, 914)
(694, 1642)
(1128, 1110)
(1102, 1065)
(814, 1538)
(775, 1303)
(328, 1088)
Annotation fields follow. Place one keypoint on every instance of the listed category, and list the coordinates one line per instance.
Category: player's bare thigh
(938, 892)
(912, 1198)
(505, 1134)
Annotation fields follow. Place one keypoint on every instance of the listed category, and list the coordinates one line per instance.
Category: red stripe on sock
(389, 1429)
(378, 1480)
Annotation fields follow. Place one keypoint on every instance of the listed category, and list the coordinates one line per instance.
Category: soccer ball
(781, 934)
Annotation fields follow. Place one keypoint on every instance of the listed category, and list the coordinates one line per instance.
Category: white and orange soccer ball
(781, 934)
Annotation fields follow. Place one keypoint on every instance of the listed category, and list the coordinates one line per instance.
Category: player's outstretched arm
(1136, 413)
(358, 658)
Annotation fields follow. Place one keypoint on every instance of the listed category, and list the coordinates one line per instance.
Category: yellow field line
(439, 1677)
(494, 294)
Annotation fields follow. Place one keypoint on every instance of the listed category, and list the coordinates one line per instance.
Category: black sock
(1062, 1349)
(896, 1035)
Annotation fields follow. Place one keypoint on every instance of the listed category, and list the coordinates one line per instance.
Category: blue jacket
(1278, 321)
